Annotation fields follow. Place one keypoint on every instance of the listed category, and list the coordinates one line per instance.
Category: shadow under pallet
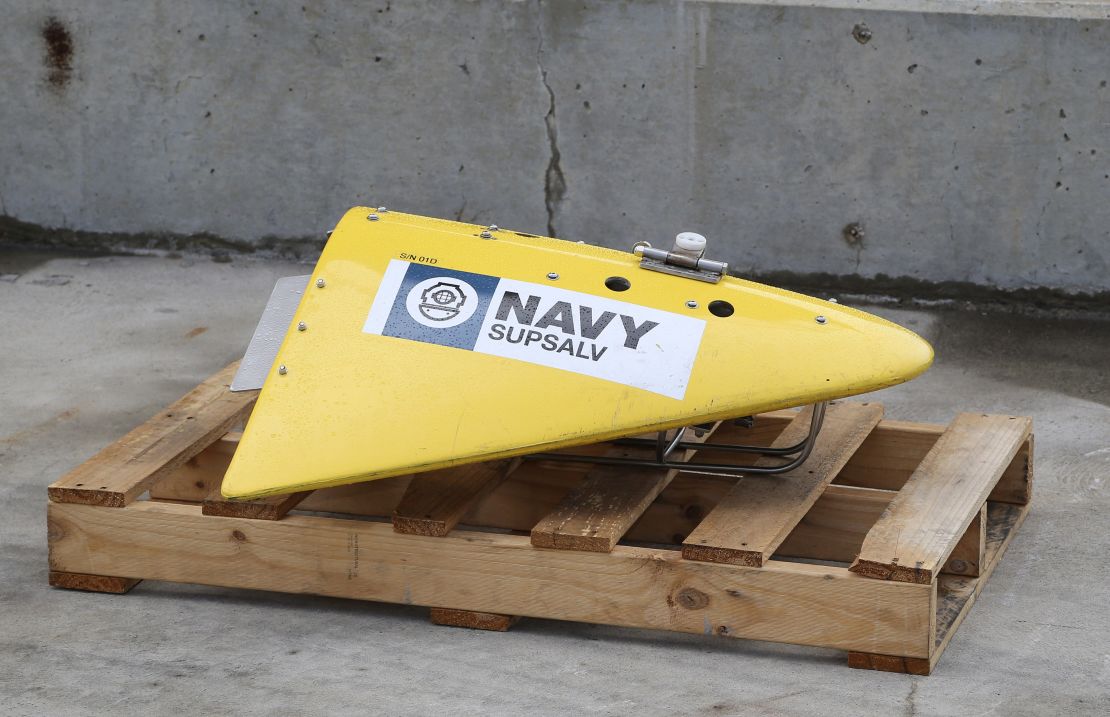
(877, 545)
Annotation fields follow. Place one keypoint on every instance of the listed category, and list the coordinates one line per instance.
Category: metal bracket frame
(665, 445)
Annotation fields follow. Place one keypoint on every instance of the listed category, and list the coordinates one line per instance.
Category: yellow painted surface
(354, 406)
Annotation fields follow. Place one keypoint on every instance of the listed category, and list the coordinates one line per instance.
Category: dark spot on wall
(911, 68)
(978, 61)
(853, 234)
(59, 52)
(1063, 115)
(862, 33)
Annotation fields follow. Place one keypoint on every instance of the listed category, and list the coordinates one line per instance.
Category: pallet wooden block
(906, 521)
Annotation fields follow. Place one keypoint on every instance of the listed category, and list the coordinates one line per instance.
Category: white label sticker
(595, 336)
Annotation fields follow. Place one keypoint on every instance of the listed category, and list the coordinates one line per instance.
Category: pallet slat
(760, 512)
(272, 507)
(92, 583)
(598, 511)
(493, 622)
(127, 468)
(929, 516)
(498, 573)
(434, 502)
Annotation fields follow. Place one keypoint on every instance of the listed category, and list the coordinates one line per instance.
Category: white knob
(690, 242)
(690, 245)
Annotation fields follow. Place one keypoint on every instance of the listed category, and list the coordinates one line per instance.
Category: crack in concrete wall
(555, 182)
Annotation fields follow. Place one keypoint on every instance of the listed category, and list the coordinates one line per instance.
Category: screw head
(821, 320)
(328, 234)
(552, 275)
(833, 301)
(282, 370)
(382, 210)
(691, 304)
(493, 227)
(320, 283)
(373, 217)
(301, 326)
(486, 235)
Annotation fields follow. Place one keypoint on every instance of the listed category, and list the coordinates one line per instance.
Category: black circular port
(617, 283)
(721, 308)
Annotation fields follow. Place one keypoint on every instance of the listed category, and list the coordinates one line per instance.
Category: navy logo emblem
(441, 302)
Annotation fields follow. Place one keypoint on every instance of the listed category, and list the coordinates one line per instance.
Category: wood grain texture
(272, 507)
(922, 525)
(955, 595)
(126, 469)
(968, 555)
(474, 620)
(759, 512)
(195, 479)
(833, 529)
(892, 452)
(435, 502)
(92, 583)
(496, 573)
(889, 663)
(598, 511)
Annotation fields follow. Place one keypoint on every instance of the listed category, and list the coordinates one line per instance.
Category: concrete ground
(92, 346)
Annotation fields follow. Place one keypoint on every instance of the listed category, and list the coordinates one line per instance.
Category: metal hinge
(684, 259)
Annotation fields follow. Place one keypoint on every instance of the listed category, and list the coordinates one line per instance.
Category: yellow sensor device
(419, 344)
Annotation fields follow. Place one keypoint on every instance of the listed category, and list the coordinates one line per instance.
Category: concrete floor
(93, 346)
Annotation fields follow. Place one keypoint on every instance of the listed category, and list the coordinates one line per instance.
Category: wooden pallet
(878, 545)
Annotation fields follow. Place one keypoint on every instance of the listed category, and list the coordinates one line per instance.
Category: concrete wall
(968, 148)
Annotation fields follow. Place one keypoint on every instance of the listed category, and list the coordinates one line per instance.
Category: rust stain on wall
(59, 52)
